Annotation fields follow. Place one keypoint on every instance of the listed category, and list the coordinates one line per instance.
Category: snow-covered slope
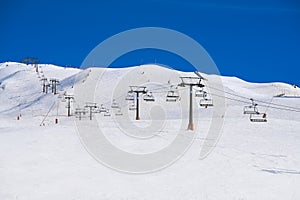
(250, 161)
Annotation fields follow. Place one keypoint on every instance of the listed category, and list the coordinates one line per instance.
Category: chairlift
(107, 113)
(206, 102)
(96, 110)
(258, 117)
(251, 109)
(102, 109)
(132, 106)
(149, 97)
(79, 112)
(130, 96)
(115, 104)
(200, 93)
(119, 112)
(60, 95)
(172, 96)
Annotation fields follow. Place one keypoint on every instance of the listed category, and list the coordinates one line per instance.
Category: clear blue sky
(258, 41)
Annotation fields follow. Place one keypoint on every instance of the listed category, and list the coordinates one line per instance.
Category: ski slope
(43, 160)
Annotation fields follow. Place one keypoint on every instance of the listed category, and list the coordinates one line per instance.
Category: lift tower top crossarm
(141, 89)
(29, 60)
(190, 81)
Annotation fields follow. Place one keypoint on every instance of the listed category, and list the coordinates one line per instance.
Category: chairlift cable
(263, 102)
(242, 101)
(269, 104)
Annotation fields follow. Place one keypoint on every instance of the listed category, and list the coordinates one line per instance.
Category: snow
(250, 160)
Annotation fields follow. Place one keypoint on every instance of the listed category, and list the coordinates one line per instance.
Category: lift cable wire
(268, 106)
(124, 94)
(260, 101)
(162, 89)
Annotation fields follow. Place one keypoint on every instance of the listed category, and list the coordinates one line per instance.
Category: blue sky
(255, 40)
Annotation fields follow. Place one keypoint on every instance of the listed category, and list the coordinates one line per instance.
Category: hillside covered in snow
(256, 154)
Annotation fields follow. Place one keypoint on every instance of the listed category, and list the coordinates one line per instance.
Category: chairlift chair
(172, 96)
(60, 96)
(96, 110)
(258, 117)
(107, 113)
(200, 93)
(79, 112)
(115, 104)
(149, 97)
(130, 96)
(206, 102)
(119, 113)
(102, 109)
(132, 106)
(251, 109)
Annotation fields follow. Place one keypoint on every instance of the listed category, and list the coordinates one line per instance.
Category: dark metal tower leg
(137, 107)
(191, 123)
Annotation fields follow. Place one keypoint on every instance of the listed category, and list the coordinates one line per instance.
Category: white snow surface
(250, 160)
